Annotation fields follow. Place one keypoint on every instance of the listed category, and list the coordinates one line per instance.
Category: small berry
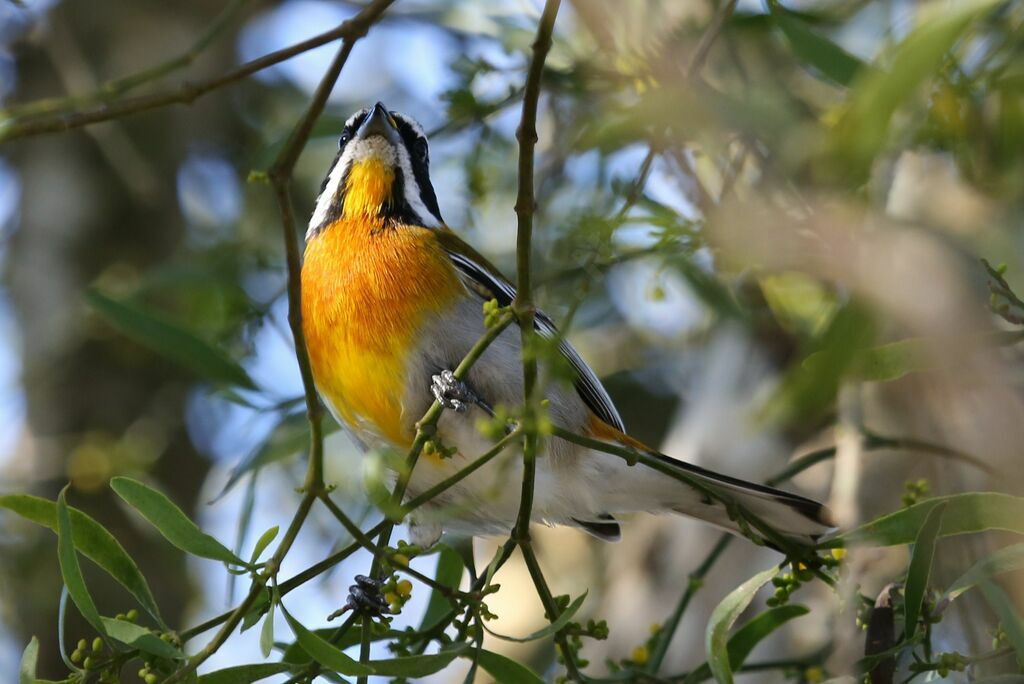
(404, 588)
(132, 615)
(640, 655)
(97, 645)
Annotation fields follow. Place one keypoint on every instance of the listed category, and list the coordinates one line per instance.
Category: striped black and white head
(381, 172)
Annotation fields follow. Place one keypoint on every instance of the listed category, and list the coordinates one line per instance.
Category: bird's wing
(483, 279)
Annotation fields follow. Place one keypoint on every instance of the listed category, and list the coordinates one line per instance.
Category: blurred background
(765, 221)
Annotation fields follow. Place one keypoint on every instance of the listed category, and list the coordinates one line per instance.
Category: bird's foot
(454, 394)
(364, 598)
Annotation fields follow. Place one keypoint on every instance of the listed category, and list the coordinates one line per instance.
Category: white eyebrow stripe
(413, 123)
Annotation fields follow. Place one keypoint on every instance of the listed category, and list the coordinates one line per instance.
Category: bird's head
(381, 172)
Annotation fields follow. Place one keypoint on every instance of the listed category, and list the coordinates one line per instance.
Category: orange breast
(366, 291)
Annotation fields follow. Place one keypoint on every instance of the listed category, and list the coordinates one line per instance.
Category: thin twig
(119, 86)
(350, 30)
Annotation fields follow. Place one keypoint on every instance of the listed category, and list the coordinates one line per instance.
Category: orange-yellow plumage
(367, 287)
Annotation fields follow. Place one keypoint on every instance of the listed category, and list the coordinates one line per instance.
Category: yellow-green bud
(97, 645)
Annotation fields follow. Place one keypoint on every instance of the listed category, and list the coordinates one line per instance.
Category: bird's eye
(345, 137)
(420, 146)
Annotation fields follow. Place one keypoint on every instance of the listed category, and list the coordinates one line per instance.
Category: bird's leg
(454, 394)
(364, 597)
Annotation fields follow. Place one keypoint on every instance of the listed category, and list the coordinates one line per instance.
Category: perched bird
(392, 302)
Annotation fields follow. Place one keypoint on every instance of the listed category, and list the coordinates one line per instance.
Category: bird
(392, 301)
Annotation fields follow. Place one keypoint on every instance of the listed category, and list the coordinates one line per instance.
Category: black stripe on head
(419, 153)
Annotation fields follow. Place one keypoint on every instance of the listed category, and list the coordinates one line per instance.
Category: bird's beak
(379, 122)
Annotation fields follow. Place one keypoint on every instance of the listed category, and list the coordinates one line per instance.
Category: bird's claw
(364, 598)
(452, 393)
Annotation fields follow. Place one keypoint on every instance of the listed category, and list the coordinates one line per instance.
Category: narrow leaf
(965, 514)
(448, 574)
(263, 542)
(506, 670)
(748, 636)
(1004, 560)
(93, 541)
(558, 624)
(323, 651)
(1008, 617)
(863, 129)
(29, 660)
(244, 674)
(170, 341)
(141, 638)
(172, 523)
(417, 665)
(920, 569)
(294, 654)
(69, 568)
(816, 50)
(722, 619)
(267, 633)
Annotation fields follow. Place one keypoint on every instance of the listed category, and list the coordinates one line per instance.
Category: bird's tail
(715, 498)
(792, 516)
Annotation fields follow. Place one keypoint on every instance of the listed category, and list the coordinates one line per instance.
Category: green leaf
(449, 574)
(170, 341)
(263, 542)
(506, 670)
(93, 541)
(1004, 560)
(29, 660)
(323, 652)
(920, 569)
(863, 129)
(296, 655)
(965, 514)
(416, 665)
(172, 523)
(748, 636)
(814, 49)
(141, 638)
(267, 633)
(558, 624)
(69, 568)
(244, 674)
(722, 619)
(1008, 617)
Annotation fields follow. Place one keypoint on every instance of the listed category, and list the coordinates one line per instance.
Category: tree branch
(350, 30)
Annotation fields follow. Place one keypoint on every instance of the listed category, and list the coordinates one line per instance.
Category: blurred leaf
(244, 674)
(1008, 617)
(965, 514)
(809, 389)
(323, 652)
(170, 341)
(263, 542)
(29, 660)
(1004, 560)
(141, 638)
(506, 670)
(93, 541)
(891, 361)
(722, 619)
(416, 665)
(862, 130)
(748, 636)
(558, 624)
(288, 438)
(267, 633)
(814, 49)
(69, 568)
(449, 574)
(920, 569)
(172, 523)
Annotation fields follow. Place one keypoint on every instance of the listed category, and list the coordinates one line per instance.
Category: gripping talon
(454, 394)
(364, 597)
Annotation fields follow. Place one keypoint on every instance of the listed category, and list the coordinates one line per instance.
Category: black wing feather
(488, 284)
